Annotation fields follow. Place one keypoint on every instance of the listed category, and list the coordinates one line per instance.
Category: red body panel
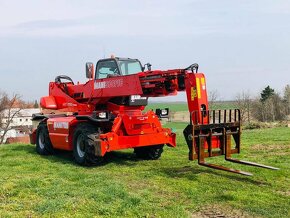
(84, 97)
(113, 142)
(48, 102)
(127, 133)
(196, 92)
(61, 132)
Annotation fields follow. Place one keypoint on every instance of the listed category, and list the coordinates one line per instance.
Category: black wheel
(149, 152)
(83, 149)
(43, 143)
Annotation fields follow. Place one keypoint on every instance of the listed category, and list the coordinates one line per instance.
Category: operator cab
(111, 67)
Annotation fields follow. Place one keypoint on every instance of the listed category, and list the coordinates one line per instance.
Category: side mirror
(148, 66)
(89, 70)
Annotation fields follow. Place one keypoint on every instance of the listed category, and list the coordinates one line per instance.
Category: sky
(241, 46)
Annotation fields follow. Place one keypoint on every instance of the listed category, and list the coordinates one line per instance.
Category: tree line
(270, 106)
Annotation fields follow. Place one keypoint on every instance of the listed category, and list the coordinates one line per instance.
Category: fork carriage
(213, 133)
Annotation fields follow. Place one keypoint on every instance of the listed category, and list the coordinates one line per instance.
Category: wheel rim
(41, 140)
(81, 146)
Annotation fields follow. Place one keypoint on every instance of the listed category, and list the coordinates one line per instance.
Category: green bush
(255, 125)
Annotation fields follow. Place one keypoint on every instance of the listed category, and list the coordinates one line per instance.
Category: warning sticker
(198, 87)
(60, 125)
(202, 80)
(193, 93)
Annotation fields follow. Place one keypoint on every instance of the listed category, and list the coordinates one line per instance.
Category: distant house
(12, 133)
(22, 118)
(20, 124)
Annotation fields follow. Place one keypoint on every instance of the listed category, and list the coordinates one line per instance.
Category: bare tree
(3, 103)
(287, 99)
(8, 112)
(243, 102)
(257, 110)
(213, 97)
(271, 109)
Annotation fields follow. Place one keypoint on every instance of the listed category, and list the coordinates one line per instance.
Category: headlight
(102, 115)
(162, 113)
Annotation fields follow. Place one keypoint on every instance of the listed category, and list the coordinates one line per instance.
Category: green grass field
(182, 106)
(53, 186)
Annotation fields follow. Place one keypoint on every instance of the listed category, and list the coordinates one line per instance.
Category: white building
(22, 118)
(20, 124)
(12, 133)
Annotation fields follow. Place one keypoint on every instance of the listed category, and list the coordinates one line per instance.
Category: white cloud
(230, 39)
(66, 18)
(74, 18)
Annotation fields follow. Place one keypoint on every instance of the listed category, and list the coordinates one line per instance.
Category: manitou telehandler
(107, 114)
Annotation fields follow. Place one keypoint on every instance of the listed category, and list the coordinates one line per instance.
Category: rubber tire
(45, 147)
(89, 158)
(149, 152)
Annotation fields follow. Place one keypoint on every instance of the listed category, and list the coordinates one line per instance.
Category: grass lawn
(35, 186)
(182, 106)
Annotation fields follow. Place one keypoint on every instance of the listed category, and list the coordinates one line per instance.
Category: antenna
(104, 52)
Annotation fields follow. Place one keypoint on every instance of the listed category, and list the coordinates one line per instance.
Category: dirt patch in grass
(180, 116)
(269, 147)
(284, 193)
(220, 212)
(184, 169)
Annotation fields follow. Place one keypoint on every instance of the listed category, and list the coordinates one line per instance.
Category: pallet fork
(213, 136)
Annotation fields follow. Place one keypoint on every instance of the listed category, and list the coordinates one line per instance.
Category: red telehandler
(107, 114)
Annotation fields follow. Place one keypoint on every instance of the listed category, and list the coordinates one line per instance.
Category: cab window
(129, 67)
(106, 68)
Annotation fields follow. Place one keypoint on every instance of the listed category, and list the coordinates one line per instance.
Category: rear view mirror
(89, 70)
(148, 66)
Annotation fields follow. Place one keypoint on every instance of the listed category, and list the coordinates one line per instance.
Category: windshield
(107, 68)
(130, 66)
